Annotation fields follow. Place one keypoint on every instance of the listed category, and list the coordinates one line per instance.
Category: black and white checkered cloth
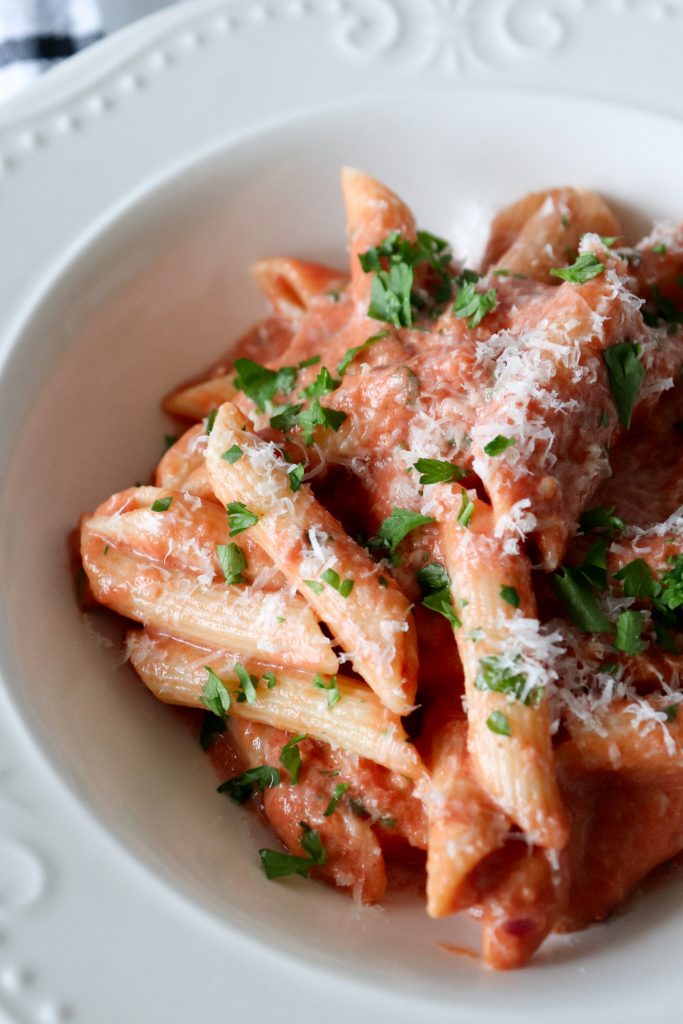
(35, 34)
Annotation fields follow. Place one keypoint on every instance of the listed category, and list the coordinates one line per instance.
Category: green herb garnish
(339, 791)
(240, 518)
(290, 757)
(214, 696)
(233, 562)
(585, 267)
(438, 471)
(161, 504)
(626, 374)
(254, 779)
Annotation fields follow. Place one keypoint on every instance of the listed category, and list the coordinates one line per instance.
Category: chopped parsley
(240, 518)
(316, 415)
(626, 374)
(247, 688)
(232, 454)
(211, 727)
(393, 298)
(161, 504)
(296, 475)
(466, 509)
(601, 518)
(638, 581)
(659, 248)
(351, 353)
(585, 268)
(260, 384)
(290, 757)
(510, 595)
(331, 688)
(397, 526)
(390, 295)
(438, 471)
(270, 680)
(254, 779)
(277, 865)
(339, 791)
(211, 419)
(575, 592)
(672, 584)
(233, 562)
(343, 587)
(629, 629)
(497, 722)
(659, 308)
(214, 696)
(316, 587)
(496, 674)
(498, 445)
(671, 712)
(323, 384)
(436, 586)
(472, 305)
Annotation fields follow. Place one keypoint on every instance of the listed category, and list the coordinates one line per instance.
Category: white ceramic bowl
(148, 292)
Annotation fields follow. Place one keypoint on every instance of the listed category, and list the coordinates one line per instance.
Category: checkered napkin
(35, 34)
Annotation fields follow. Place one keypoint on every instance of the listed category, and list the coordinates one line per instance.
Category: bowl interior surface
(157, 293)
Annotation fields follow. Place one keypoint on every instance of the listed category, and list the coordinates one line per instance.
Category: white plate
(138, 184)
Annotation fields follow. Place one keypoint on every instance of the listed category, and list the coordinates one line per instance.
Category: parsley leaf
(433, 576)
(629, 629)
(161, 504)
(601, 518)
(626, 374)
(390, 295)
(242, 787)
(296, 475)
(585, 267)
(497, 722)
(260, 384)
(211, 419)
(659, 248)
(247, 688)
(332, 579)
(466, 509)
(278, 865)
(286, 418)
(271, 681)
(214, 696)
(240, 518)
(398, 525)
(323, 384)
(232, 454)
(440, 601)
(339, 791)
(672, 584)
(233, 562)
(498, 445)
(211, 727)
(510, 595)
(436, 585)
(290, 757)
(496, 674)
(316, 587)
(312, 844)
(438, 471)
(583, 609)
(638, 580)
(351, 353)
(332, 689)
(472, 305)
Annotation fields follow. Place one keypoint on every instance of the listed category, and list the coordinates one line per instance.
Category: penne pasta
(176, 673)
(506, 670)
(372, 622)
(293, 286)
(465, 826)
